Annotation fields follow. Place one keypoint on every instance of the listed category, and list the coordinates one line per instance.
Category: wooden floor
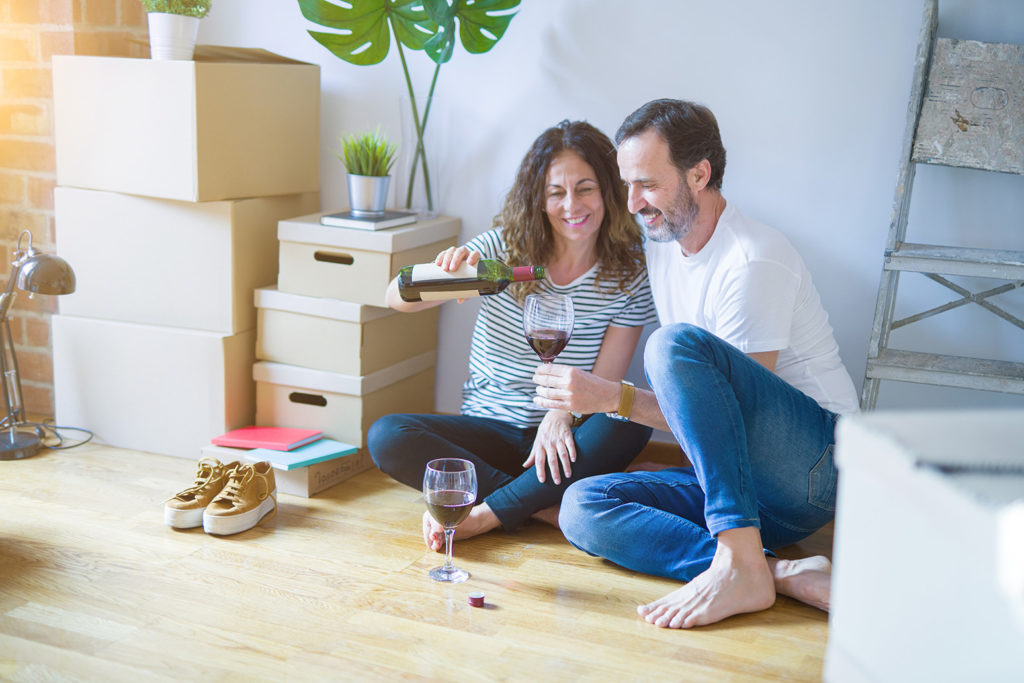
(93, 586)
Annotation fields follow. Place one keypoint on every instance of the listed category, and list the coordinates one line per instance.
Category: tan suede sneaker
(248, 497)
(185, 509)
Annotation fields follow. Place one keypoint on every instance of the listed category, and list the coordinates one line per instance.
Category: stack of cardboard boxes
(330, 355)
(172, 177)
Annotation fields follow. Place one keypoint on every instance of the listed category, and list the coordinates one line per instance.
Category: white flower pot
(172, 36)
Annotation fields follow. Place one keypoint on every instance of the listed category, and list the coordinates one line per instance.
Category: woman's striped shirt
(501, 361)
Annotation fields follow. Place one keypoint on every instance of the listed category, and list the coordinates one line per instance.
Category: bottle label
(438, 296)
(423, 272)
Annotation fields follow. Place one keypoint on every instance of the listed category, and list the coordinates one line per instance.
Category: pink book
(275, 438)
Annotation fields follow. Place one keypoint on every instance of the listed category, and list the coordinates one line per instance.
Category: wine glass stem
(449, 536)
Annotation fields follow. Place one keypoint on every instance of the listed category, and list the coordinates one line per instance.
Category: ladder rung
(954, 371)
(926, 258)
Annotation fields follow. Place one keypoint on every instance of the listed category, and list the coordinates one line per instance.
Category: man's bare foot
(547, 515)
(738, 581)
(808, 580)
(480, 520)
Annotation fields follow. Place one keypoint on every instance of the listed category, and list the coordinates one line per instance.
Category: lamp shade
(46, 274)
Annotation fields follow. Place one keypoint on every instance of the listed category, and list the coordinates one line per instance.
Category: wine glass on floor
(547, 321)
(449, 487)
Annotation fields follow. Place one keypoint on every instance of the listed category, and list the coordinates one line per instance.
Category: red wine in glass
(449, 508)
(547, 343)
(547, 321)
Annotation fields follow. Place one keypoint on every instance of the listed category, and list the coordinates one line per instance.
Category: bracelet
(625, 402)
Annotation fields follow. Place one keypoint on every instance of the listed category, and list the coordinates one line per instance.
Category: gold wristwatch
(625, 402)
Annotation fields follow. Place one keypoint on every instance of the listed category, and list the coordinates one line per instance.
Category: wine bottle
(429, 282)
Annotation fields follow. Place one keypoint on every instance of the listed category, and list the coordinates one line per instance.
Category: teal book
(303, 456)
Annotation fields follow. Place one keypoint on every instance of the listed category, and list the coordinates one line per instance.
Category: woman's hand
(553, 446)
(453, 257)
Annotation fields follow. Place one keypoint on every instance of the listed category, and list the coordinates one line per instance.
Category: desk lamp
(35, 273)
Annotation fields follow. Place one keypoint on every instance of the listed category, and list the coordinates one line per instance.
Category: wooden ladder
(966, 110)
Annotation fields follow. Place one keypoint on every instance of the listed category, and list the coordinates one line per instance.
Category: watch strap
(625, 401)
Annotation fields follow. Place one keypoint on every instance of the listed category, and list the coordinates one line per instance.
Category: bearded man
(746, 374)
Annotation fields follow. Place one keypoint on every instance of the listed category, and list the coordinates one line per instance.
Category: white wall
(811, 97)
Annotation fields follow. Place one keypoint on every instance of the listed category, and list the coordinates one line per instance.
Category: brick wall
(31, 32)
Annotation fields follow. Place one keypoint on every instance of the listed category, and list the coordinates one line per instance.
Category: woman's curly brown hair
(525, 227)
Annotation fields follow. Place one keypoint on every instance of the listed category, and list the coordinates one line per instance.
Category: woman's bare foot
(480, 520)
(808, 580)
(738, 581)
(547, 515)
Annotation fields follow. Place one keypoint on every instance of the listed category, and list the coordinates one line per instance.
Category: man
(746, 374)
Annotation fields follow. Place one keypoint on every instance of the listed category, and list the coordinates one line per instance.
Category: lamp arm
(7, 298)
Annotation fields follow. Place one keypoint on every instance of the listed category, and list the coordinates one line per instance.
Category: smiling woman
(567, 212)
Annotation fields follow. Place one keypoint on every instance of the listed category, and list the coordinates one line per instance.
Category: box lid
(977, 452)
(321, 307)
(308, 230)
(335, 382)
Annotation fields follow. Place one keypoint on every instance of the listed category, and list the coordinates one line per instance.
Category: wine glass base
(454, 575)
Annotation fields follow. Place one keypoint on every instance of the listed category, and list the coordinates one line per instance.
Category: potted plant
(173, 26)
(429, 25)
(368, 158)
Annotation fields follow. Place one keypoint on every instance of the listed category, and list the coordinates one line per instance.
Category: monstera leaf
(366, 27)
(482, 23)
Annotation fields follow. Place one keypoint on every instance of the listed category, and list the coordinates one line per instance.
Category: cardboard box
(338, 336)
(163, 390)
(928, 581)
(232, 123)
(351, 264)
(304, 481)
(167, 262)
(343, 406)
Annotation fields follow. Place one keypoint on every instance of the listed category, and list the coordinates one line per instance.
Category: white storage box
(351, 264)
(338, 336)
(342, 406)
(304, 481)
(158, 389)
(231, 123)
(166, 262)
(929, 548)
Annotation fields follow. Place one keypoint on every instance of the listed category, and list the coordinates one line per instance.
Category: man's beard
(677, 221)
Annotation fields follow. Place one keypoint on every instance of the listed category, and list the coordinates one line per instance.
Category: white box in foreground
(928, 583)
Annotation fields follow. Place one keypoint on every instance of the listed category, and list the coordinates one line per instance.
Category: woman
(567, 212)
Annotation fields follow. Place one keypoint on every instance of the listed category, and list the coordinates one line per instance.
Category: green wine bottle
(428, 282)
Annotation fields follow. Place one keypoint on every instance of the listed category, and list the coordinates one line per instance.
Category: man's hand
(565, 388)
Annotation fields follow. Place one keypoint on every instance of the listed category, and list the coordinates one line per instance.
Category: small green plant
(188, 8)
(367, 154)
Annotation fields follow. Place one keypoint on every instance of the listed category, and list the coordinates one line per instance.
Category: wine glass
(449, 487)
(548, 321)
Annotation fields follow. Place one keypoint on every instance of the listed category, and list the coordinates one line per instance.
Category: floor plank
(94, 586)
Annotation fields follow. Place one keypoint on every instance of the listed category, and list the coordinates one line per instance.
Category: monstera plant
(364, 35)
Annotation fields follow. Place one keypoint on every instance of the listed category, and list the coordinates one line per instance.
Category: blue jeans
(402, 445)
(761, 452)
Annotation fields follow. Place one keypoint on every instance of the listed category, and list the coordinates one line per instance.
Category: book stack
(330, 355)
(172, 177)
(305, 462)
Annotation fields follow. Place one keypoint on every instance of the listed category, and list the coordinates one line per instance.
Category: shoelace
(237, 481)
(206, 469)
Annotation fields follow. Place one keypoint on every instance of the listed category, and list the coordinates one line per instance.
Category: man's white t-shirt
(749, 287)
